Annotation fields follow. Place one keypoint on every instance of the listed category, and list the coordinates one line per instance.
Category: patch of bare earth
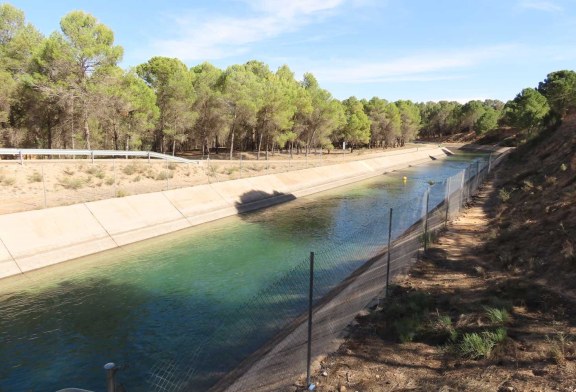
(417, 340)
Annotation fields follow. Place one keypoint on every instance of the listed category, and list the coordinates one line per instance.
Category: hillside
(535, 222)
(492, 306)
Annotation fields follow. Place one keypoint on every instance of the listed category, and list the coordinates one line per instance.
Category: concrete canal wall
(35, 239)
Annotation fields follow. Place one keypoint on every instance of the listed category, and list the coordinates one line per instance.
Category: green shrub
(406, 316)
(551, 180)
(528, 185)
(480, 345)
(497, 316)
(558, 347)
(444, 326)
(73, 183)
(406, 329)
(230, 170)
(96, 171)
(109, 181)
(35, 177)
(164, 175)
(131, 168)
(8, 181)
(503, 195)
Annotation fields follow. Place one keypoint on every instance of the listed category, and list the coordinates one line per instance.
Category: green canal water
(158, 302)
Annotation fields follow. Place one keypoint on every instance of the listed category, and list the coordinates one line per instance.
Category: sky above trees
(418, 50)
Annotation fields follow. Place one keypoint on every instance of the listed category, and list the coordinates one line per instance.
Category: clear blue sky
(394, 49)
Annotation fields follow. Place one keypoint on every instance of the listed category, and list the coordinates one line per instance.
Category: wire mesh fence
(266, 343)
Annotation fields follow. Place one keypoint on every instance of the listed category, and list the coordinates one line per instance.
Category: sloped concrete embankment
(35, 239)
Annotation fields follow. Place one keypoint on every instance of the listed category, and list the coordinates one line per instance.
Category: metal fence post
(111, 370)
(166, 174)
(426, 221)
(310, 300)
(44, 186)
(447, 201)
(114, 170)
(463, 174)
(389, 252)
(477, 175)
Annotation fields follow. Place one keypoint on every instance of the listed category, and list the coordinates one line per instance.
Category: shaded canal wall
(35, 239)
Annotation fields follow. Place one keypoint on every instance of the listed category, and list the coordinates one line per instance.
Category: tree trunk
(87, 134)
(259, 147)
(232, 142)
(49, 134)
(116, 136)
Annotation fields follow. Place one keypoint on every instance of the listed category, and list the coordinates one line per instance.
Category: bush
(73, 183)
(497, 316)
(480, 345)
(503, 195)
(121, 193)
(8, 181)
(164, 175)
(445, 327)
(406, 316)
(406, 329)
(96, 171)
(559, 346)
(528, 185)
(131, 168)
(35, 177)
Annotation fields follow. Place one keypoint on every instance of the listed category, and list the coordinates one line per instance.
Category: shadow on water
(255, 199)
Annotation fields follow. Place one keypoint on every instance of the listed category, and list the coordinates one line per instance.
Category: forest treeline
(67, 91)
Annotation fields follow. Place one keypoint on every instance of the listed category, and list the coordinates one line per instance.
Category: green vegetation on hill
(67, 91)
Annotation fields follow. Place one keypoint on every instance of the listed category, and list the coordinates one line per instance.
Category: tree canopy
(66, 90)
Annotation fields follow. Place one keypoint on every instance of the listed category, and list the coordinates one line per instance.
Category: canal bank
(36, 239)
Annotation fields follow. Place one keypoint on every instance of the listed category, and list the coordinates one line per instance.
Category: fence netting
(263, 344)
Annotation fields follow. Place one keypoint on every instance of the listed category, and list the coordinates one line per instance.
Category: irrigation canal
(158, 301)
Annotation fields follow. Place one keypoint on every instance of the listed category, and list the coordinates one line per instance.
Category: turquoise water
(158, 301)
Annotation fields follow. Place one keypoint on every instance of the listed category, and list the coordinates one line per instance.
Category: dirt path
(416, 341)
